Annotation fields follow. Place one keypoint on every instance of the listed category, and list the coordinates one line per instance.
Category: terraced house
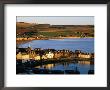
(46, 54)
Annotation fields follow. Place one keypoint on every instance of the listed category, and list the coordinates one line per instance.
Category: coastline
(25, 41)
(70, 37)
(22, 41)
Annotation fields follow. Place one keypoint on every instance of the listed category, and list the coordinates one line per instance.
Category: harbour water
(82, 67)
(83, 44)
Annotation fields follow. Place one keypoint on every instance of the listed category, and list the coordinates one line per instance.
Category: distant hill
(23, 24)
(48, 30)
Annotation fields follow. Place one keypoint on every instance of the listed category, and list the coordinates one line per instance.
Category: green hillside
(46, 30)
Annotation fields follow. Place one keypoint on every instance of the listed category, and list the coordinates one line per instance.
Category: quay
(51, 61)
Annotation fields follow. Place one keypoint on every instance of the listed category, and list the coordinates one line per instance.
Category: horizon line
(52, 24)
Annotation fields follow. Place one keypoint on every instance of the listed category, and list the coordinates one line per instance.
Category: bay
(84, 44)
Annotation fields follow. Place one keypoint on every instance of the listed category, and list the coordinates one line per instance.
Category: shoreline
(71, 37)
(22, 41)
(25, 41)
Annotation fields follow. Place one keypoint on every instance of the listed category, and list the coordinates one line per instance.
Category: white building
(50, 55)
(44, 57)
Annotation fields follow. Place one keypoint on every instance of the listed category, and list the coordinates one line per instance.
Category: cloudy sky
(58, 20)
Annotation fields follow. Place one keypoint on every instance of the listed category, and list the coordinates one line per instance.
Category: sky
(58, 20)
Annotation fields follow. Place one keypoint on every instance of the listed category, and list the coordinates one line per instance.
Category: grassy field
(29, 29)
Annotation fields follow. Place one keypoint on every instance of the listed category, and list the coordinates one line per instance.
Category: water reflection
(82, 66)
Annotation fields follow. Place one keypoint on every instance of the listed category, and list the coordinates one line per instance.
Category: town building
(23, 56)
(44, 57)
(45, 54)
(37, 57)
(84, 55)
(50, 55)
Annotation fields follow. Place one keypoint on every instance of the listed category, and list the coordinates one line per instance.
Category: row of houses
(38, 54)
